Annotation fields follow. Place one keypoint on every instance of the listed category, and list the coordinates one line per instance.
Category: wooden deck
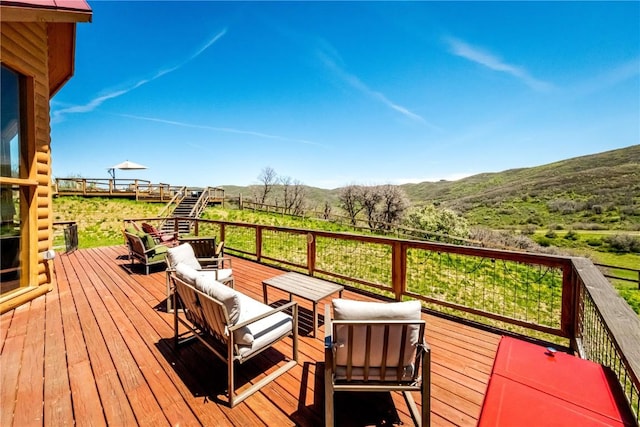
(97, 351)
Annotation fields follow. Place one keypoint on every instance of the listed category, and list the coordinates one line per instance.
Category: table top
(307, 287)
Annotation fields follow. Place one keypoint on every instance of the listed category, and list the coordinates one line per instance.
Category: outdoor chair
(143, 247)
(373, 347)
(207, 251)
(159, 236)
(232, 325)
(184, 253)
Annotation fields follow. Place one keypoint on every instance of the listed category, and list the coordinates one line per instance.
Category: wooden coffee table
(306, 287)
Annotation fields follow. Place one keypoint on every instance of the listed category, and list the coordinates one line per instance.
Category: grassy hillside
(599, 191)
(100, 224)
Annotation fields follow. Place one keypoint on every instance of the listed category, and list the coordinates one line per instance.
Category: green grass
(99, 219)
(100, 224)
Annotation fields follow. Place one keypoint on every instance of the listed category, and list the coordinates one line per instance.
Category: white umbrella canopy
(126, 165)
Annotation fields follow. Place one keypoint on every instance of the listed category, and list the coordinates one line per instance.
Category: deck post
(311, 253)
(258, 243)
(569, 297)
(398, 269)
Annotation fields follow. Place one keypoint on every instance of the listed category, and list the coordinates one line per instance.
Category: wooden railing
(610, 269)
(134, 188)
(175, 200)
(561, 299)
(70, 232)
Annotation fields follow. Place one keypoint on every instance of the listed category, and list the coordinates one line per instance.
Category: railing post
(222, 233)
(311, 253)
(258, 243)
(568, 316)
(398, 269)
(196, 228)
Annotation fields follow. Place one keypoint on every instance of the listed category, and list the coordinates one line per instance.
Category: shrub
(544, 241)
(571, 235)
(595, 242)
(623, 243)
(551, 234)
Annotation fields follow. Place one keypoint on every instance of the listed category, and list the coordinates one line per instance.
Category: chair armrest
(328, 328)
(146, 251)
(219, 263)
(263, 315)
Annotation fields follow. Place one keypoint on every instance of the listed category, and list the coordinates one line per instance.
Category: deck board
(98, 350)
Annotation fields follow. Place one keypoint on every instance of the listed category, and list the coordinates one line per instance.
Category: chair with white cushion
(222, 271)
(232, 325)
(372, 346)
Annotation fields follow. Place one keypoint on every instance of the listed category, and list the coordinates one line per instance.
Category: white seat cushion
(182, 254)
(221, 274)
(264, 331)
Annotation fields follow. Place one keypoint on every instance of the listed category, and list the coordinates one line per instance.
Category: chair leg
(328, 397)
(413, 409)
(426, 388)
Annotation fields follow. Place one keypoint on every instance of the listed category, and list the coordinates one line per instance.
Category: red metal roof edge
(62, 5)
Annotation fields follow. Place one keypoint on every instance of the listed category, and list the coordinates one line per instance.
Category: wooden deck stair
(183, 209)
(190, 206)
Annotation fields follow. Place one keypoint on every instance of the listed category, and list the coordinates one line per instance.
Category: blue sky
(335, 93)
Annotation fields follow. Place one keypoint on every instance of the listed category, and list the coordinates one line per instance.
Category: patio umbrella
(126, 165)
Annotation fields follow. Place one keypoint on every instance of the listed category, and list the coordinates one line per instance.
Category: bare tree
(298, 198)
(351, 201)
(370, 197)
(326, 210)
(268, 179)
(393, 204)
(287, 196)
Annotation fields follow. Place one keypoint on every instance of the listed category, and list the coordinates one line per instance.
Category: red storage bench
(532, 386)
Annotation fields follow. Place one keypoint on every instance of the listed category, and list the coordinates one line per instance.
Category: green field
(100, 223)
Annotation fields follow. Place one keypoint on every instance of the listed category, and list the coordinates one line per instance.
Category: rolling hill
(602, 188)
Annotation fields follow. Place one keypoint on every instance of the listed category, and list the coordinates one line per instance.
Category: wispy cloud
(493, 62)
(223, 129)
(610, 78)
(331, 60)
(58, 115)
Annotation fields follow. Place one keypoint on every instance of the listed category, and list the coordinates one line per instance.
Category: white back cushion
(186, 273)
(376, 311)
(209, 286)
(344, 309)
(182, 254)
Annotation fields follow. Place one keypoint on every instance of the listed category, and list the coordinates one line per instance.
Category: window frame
(26, 182)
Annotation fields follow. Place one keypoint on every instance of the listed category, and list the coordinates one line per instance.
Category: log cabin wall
(24, 48)
(37, 41)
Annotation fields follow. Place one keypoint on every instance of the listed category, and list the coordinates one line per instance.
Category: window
(13, 183)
